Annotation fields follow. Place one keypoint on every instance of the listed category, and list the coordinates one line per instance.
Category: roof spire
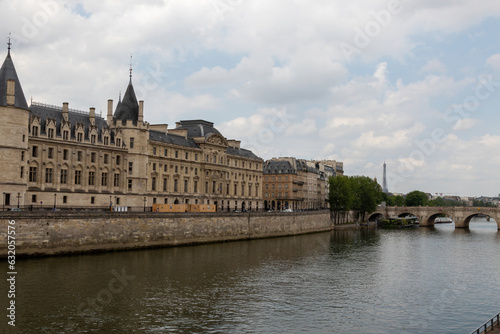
(8, 45)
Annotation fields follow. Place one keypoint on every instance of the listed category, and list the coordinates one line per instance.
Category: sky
(413, 83)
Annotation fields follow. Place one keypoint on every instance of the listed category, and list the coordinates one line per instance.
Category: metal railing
(488, 325)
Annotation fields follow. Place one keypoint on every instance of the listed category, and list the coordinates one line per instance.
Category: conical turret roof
(8, 72)
(128, 109)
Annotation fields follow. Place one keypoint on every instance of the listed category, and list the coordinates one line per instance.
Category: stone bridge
(426, 215)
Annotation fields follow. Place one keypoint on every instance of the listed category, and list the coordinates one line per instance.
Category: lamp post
(55, 198)
(144, 203)
(18, 197)
(110, 203)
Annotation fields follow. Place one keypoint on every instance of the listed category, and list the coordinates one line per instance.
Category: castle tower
(129, 126)
(384, 184)
(14, 120)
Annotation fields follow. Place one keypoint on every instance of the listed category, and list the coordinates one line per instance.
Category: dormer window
(79, 137)
(106, 140)
(65, 134)
(51, 133)
(34, 130)
(118, 142)
(93, 139)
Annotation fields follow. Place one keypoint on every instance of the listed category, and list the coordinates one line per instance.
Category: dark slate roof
(198, 128)
(8, 71)
(128, 109)
(279, 167)
(241, 152)
(171, 139)
(54, 112)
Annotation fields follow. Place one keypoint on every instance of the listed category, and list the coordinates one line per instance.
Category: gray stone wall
(63, 233)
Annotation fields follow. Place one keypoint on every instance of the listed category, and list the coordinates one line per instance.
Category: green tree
(398, 200)
(416, 198)
(366, 195)
(340, 197)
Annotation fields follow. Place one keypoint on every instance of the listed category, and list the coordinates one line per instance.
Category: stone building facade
(60, 157)
(296, 184)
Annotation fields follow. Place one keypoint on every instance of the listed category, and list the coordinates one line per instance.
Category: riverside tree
(416, 198)
(358, 193)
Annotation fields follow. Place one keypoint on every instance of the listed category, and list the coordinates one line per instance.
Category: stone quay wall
(43, 234)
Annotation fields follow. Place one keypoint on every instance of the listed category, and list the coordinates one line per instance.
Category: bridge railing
(488, 325)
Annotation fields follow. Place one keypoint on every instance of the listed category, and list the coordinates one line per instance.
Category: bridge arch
(375, 216)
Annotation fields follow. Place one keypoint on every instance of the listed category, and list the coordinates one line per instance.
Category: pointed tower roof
(128, 109)
(8, 72)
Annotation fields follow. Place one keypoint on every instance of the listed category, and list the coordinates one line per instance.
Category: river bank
(59, 233)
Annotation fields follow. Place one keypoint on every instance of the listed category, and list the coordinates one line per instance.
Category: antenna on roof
(9, 44)
(130, 67)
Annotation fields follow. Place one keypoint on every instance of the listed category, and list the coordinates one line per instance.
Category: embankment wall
(42, 234)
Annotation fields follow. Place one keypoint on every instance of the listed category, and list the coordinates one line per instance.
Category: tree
(366, 195)
(398, 200)
(416, 198)
(340, 196)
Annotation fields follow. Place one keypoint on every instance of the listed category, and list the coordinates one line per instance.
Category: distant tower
(384, 182)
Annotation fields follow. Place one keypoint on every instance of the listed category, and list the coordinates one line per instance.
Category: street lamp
(110, 203)
(144, 203)
(18, 197)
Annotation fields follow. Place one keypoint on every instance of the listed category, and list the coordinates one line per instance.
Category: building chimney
(65, 111)
(11, 91)
(110, 112)
(141, 111)
(92, 116)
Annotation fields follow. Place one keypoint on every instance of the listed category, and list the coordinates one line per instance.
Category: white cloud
(464, 124)
(433, 66)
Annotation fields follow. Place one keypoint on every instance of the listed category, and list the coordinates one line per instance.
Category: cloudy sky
(413, 83)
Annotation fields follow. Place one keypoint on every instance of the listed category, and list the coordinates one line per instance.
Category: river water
(421, 280)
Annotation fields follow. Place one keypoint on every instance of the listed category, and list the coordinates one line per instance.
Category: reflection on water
(422, 280)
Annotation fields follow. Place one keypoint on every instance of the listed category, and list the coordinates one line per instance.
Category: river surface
(421, 280)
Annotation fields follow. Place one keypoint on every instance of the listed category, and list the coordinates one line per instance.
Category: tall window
(187, 155)
(106, 140)
(48, 175)
(104, 179)
(22, 156)
(93, 139)
(130, 165)
(106, 156)
(130, 185)
(34, 131)
(164, 184)
(65, 154)
(118, 142)
(195, 186)
(185, 186)
(79, 155)
(92, 157)
(32, 176)
(65, 134)
(79, 137)
(34, 151)
(51, 133)
(78, 177)
(118, 159)
(64, 176)
(175, 185)
(153, 183)
(116, 180)
(131, 143)
(22, 172)
(91, 178)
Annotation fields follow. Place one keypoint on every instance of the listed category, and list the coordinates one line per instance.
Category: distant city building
(57, 156)
(297, 184)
